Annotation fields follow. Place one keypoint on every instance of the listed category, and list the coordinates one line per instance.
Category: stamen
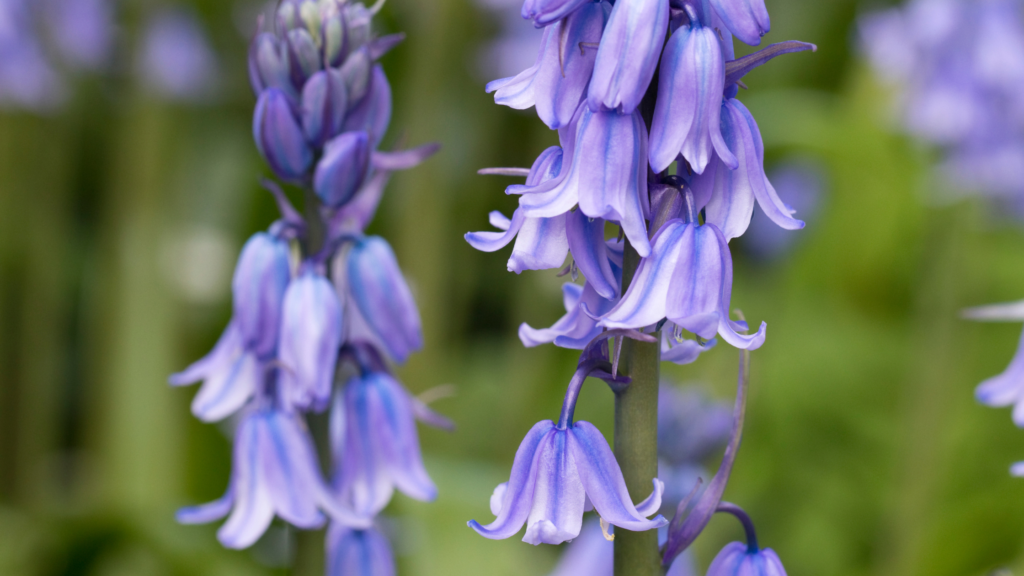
(575, 271)
(517, 172)
(618, 353)
(436, 393)
(376, 7)
(564, 271)
(584, 45)
(563, 38)
(604, 530)
(742, 85)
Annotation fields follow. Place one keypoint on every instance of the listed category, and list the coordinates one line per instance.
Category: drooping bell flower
(606, 177)
(593, 554)
(311, 331)
(279, 136)
(687, 113)
(628, 55)
(746, 19)
(230, 373)
(556, 83)
(687, 279)
(732, 205)
(383, 304)
(343, 168)
(746, 559)
(324, 104)
(557, 468)
(353, 552)
(1006, 389)
(258, 286)
(375, 444)
(678, 350)
(275, 473)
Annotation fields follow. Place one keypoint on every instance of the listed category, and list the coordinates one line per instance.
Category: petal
(290, 469)
(565, 68)
(729, 560)
(611, 163)
(494, 241)
(254, 508)
(224, 352)
(364, 480)
(653, 502)
(557, 513)
(311, 330)
(279, 136)
(1006, 388)
(628, 54)
(695, 292)
(383, 297)
(207, 512)
(586, 242)
(680, 353)
(767, 198)
(403, 159)
(358, 552)
(746, 19)
(225, 391)
(517, 92)
(540, 245)
(258, 285)
(372, 113)
(644, 303)
(497, 497)
(603, 480)
(343, 168)
(401, 442)
(518, 500)
(549, 197)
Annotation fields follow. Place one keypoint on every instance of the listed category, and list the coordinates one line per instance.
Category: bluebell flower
(343, 168)
(746, 19)
(324, 105)
(574, 330)
(82, 30)
(737, 559)
(556, 83)
(384, 310)
(28, 78)
(231, 373)
(691, 426)
(354, 552)
(375, 445)
(258, 287)
(606, 177)
(275, 473)
(279, 136)
(556, 470)
(628, 55)
(800, 184)
(268, 65)
(687, 279)
(311, 335)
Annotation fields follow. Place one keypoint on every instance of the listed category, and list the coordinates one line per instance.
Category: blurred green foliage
(864, 453)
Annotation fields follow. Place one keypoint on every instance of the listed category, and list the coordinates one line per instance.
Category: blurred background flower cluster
(129, 181)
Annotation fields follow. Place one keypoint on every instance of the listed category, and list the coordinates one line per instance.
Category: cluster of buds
(321, 311)
(677, 163)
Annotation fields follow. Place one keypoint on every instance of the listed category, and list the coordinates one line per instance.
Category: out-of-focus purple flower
(324, 104)
(555, 84)
(258, 287)
(687, 279)
(690, 425)
(739, 559)
(343, 168)
(275, 472)
(593, 555)
(177, 61)
(799, 184)
(372, 113)
(514, 47)
(1006, 389)
(352, 552)
(556, 469)
(27, 77)
(82, 30)
(376, 448)
(311, 329)
(628, 54)
(231, 374)
(382, 298)
(607, 175)
(279, 136)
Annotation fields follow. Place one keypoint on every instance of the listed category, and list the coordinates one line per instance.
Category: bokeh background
(126, 193)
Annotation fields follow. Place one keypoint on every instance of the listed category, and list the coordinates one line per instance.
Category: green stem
(636, 441)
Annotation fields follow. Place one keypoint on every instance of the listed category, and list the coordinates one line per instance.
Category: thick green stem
(636, 441)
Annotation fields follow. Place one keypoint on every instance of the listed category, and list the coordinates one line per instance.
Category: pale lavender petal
(557, 512)
(628, 55)
(1006, 388)
(380, 292)
(362, 478)
(358, 552)
(518, 91)
(402, 445)
(258, 287)
(545, 197)
(541, 244)
(685, 352)
(653, 502)
(746, 19)
(565, 67)
(499, 220)
(729, 561)
(612, 165)
(589, 555)
(224, 352)
(732, 204)
(494, 241)
(207, 512)
(1017, 469)
(586, 242)
(403, 159)
(311, 331)
(225, 391)
(290, 469)
(645, 302)
(254, 507)
(518, 500)
(695, 292)
(766, 196)
(603, 480)
(568, 324)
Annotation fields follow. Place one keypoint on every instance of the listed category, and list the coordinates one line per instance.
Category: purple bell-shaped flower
(736, 559)
(376, 448)
(311, 331)
(628, 55)
(746, 19)
(231, 374)
(275, 472)
(258, 288)
(353, 552)
(384, 310)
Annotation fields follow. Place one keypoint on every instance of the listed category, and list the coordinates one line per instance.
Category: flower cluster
(957, 67)
(666, 152)
(321, 310)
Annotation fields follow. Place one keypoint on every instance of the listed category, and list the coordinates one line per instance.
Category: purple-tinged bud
(342, 169)
(738, 559)
(334, 39)
(279, 136)
(358, 552)
(311, 330)
(303, 56)
(324, 103)
(356, 73)
(544, 12)
(687, 116)
(746, 19)
(372, 114)
(628, 54)
(258, 287)
(382, 298)
(268, 64)
(357, 22)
